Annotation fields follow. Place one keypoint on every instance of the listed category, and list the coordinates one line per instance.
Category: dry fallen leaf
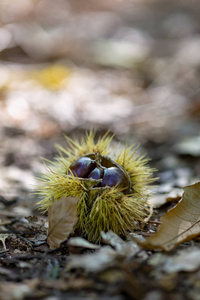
(79, 242)
(161, 199)
(183, 260)
(180, 224)
(62, 218)
(94, 262)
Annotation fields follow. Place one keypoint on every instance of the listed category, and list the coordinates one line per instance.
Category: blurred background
(67, 66)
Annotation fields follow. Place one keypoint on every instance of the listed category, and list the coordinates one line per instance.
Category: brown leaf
(180, 224)
(62, 217)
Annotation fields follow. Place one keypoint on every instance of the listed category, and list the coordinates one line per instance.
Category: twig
(19, 232)
(146, 234)
(154, 222)
(3, 251)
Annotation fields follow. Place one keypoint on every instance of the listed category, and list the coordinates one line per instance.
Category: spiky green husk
(110, 209)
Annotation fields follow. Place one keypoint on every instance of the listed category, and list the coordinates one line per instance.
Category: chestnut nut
(113, 176)
(97, 173)
(83, 167)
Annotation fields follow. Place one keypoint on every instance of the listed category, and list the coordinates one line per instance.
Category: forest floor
(124, 66)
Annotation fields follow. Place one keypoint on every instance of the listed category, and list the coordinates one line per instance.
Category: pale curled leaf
(62, 217)
(82, 243)
(180, 224)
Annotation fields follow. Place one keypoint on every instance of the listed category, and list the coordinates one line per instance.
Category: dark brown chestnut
(97, 173)
(114, 176)
(83, 167)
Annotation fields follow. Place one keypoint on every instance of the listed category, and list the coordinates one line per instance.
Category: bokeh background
(67, 66)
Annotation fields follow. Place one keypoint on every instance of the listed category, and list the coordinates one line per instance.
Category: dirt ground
(131, 67)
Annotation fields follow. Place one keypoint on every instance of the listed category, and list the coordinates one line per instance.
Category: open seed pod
(112, 191)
